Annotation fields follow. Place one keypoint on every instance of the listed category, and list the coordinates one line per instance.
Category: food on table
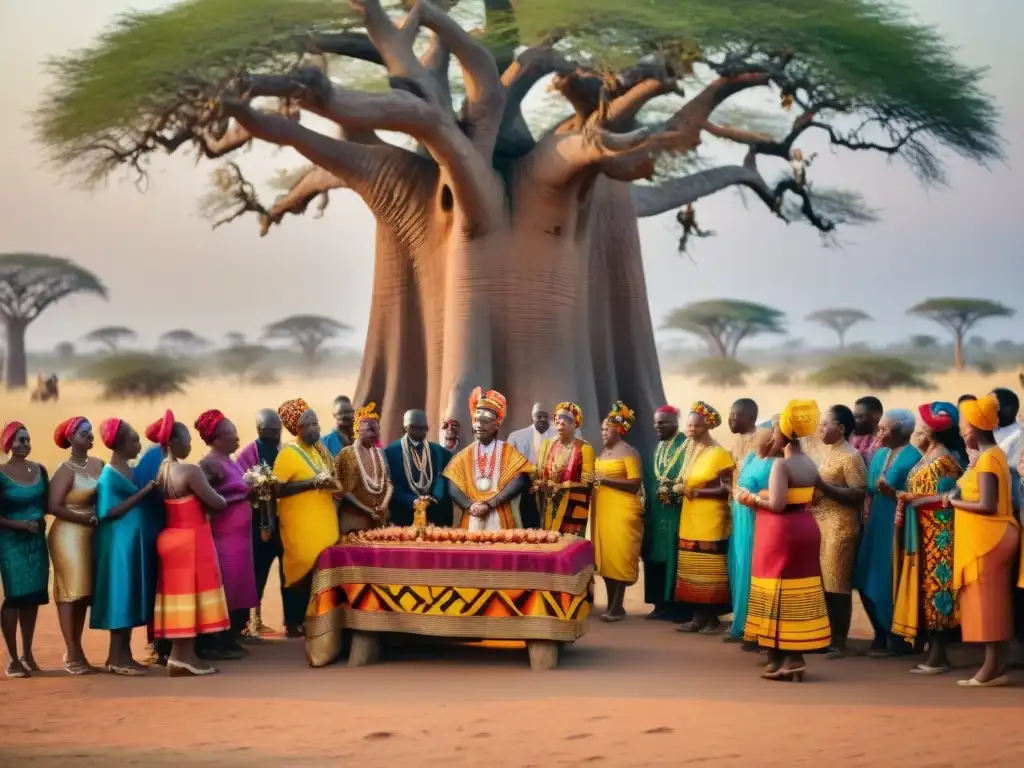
(435, 534)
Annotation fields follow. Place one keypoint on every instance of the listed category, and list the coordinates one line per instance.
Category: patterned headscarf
(290, 412)
(207, 423)
(65, 431)
(492, 401)
(367, 413)
(799, 418)
(982, 413)
(108, 431)
(7, 436)
(159, 432)
(573, 409)
(939, 416)
(621, 417)
(711, 417)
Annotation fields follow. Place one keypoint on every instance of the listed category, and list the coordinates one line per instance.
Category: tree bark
(17, 362)
(958, 350)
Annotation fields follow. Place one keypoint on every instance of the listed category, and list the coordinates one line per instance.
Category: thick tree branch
(623, 110)
(559, 158)
(353, 45)
(316, 184)
(532, 66)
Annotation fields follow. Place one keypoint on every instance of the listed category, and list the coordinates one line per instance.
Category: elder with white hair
(873, 574)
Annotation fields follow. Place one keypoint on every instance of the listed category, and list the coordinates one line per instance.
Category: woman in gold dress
(702, 570)
(617, 510)
(72, 502)
(564, 474)
(838, 501)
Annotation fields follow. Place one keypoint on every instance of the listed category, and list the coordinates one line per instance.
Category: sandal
(995, 682)
(30, 666)
(126, 671)
(611, 618)
(710, 629)
(17, 670)
(688, 628)
(924, 669)
(77, 667)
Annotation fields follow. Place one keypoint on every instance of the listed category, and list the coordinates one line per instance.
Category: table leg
(543, 654)
(364, 650)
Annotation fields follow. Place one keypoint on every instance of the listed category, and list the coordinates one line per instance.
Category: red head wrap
(939, 416)
(668, 409)
(66, 430)
(207, 423)
(108, 431)
(7, 436)
(159, 432)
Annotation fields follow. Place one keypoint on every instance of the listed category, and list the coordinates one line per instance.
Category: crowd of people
(918, 513)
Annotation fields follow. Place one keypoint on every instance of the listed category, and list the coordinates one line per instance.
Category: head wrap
(711, 417)
(207, 423)
(290, 412)
(669, 409)
(159, 431)
(621, 417)
(108, 431)
(491, 401)
(939, 416)
(572, 408)
(982, 413)
(367, 413)
(66, 430)
(799, 418)
(7, 436)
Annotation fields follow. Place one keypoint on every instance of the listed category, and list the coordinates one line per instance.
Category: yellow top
(309, 520)
(796, 496)
(705, 519)
(974, 535)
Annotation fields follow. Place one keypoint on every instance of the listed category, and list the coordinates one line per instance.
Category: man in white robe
(528, 442)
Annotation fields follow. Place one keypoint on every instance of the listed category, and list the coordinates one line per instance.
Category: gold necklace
(691, 459)
(662, 461)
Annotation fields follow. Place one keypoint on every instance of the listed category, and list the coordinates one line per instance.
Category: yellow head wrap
(799, 418)
(711, 416)
(982, 413)
(622, 417)
(575, 410)
(367, 413)
(290, 412)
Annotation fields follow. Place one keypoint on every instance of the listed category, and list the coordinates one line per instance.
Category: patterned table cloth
(465, 590)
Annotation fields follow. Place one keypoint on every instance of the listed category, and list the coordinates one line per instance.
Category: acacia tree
(840, 320)
(724, 323)
(111, 337)
(959, 316)
(182, 341)
(29, 283)
(309, 332)
(240, 360)
(477, 214)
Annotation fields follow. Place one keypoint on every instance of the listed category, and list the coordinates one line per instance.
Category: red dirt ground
(629, 694)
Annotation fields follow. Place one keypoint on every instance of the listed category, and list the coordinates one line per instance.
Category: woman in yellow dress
(986, 541)
(305, 507)
(702, 570)
(617, 510)
(564, 474)
(72, 502)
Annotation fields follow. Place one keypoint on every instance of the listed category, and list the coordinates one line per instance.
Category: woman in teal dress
(874, 571)
(753, 477)
(24, 561)
(123, 558)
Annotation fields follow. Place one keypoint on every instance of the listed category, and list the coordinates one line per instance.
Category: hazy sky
(165, 268)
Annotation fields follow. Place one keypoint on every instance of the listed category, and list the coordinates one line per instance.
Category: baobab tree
(481, 219)
(959, 316)
(840, 320)
(308, 332)
(725, 323)
(29, 283)
(182, 341)
(112, 337)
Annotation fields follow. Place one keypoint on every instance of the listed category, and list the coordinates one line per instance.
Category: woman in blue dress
(873, 574)
(124, 559)
(753, 477)
(24, 560)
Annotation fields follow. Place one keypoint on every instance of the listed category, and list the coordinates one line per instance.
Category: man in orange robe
(487, 475)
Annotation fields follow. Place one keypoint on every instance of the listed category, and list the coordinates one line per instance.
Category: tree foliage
(308, 332)
(110, 336)
(720, 371)
(139, 376)
(959, 316)
(183, 341)
(724, 323)
(241, 360)
(65, 350)
(840, 320)
(875, 372)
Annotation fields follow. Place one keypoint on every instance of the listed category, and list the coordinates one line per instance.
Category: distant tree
(65, 351)
(241, 360)
(724, 323)
(870, 371)
(958, 316)
(720, 371)
(778, 378)
(234, 338)
(977, 343)
(839, 320)
(183, 342)
(923, 341)
(986, 367)
(139, 376)
(111, 337)
(309, 332)
(29, 283)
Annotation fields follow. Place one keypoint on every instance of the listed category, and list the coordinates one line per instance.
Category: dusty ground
(631, 694)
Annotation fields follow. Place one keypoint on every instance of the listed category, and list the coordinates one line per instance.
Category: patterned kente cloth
(473, 591)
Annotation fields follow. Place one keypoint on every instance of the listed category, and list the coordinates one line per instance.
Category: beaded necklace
(424, 464)
(375, 484)
(663, 462)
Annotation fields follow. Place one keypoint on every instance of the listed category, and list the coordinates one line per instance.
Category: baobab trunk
(958, 351)
(17, 364)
